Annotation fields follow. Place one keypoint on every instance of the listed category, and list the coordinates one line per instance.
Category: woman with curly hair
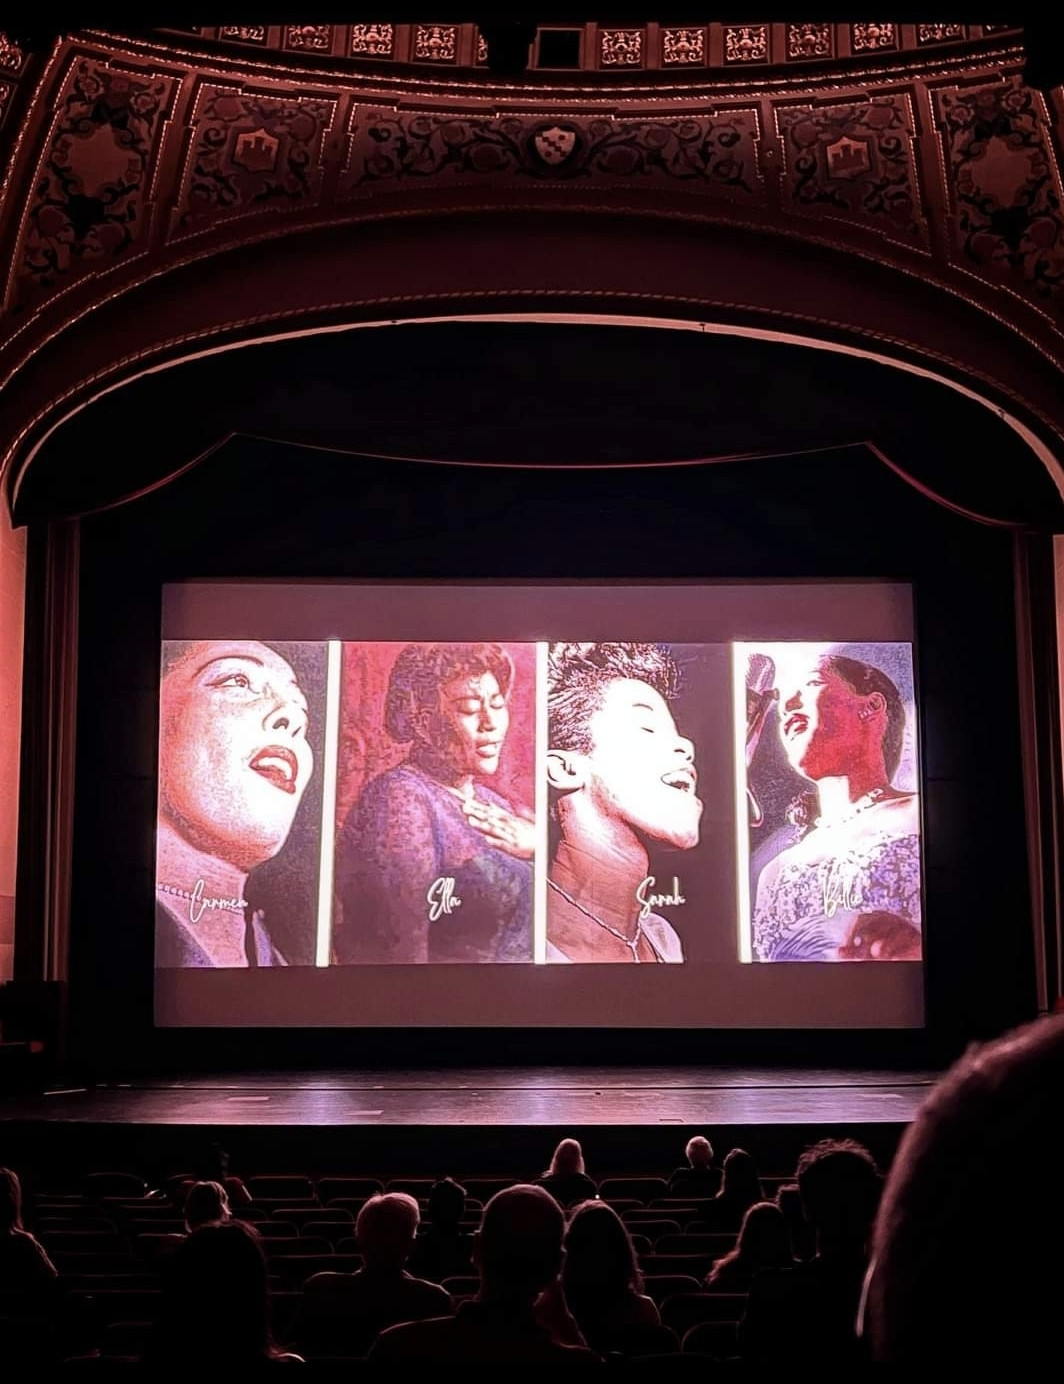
(432, 864)
(621, 778)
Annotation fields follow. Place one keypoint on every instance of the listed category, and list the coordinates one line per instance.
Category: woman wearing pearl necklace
(234, 763)
(849, 888)
(621, 777)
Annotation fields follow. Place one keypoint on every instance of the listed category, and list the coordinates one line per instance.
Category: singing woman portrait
(432, 864)
(622, 778)
(848, 889)
(234, 763)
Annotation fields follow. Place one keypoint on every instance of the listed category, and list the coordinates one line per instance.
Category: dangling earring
(866, 713)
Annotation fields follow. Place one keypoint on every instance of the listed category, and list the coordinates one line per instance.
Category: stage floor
(493, 1097)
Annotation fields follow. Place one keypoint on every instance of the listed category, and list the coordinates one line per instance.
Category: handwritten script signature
(648, 901)
(198, 905)
(840, 890)
(441, 898)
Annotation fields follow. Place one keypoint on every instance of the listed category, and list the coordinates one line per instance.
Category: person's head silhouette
(518, 1248)
(206, 1203)
(385, 1230)
(980, 1158)
(740, 1180)
(600, 1257)
(216, 1303)
(840, 1186)
(446, 1203)
(567, 1160)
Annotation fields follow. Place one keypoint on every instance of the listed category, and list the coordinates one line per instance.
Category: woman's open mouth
(278, 765)
(795, 724)
(682, 779)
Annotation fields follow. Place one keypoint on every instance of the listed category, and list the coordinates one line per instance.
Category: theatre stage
(550, 1096)
(473, 1119)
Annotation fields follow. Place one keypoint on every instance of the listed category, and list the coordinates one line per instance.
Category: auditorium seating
(109, 1233)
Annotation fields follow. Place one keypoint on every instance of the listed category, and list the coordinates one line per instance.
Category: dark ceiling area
(537, 395)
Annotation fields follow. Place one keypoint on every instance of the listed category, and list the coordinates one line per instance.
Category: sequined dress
(805, 907)
(406, 833)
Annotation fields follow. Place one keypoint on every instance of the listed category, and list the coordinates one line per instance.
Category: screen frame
(207, 608)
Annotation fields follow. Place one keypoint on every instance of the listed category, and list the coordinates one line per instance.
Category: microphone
(760, 695)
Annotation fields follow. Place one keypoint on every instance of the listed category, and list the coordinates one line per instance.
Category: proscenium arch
(1037, 446)
(573, 268)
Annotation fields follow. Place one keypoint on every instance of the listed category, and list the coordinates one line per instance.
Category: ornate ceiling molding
(131, 158)
(677, 52)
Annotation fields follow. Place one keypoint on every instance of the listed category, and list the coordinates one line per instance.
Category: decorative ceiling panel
(903, 146)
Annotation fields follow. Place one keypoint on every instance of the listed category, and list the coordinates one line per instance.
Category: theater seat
(484, 1188)
(352, 1205)
(295, 1269)
(113, 1184)
(276, 1230)
(684, 1310)
(635, 1341)
(719, 1340)
(688, 1242)
(660, 1286)
(642, 1189)
(461, 1286)
(85, 1242)
(281, 1189)
(358, 1189)
(297, 1244)
(417, 1187)
(333, 1231)
(693, 1265)
(306, 1215)
(648, 1224)
(83, 1222)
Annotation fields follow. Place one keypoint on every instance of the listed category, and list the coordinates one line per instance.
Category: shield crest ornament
(848, 158)
(256, 150)
(555, 144)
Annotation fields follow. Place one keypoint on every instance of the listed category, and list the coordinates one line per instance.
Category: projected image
(623, 781)
(831, 800)
(436, 841)
(396, 827)
(236, 838)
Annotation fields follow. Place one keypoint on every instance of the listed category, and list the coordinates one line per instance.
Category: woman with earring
(849, 888)
(433, 865)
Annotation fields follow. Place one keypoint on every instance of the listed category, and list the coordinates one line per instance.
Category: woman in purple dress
(432, 865)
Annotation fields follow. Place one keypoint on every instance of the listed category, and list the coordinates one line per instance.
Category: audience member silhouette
(212, 1165)
(24, 1265)
(803, 1236)
(601, 1278)
(519, 1313)
(215, 1304)
(442, 1248)
(699, 1177)
(343, 1313)
(808, 1313)
(205, 1204)
(981, 1159)
(740, 1189)
(764, 1243)
(566, 1179)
